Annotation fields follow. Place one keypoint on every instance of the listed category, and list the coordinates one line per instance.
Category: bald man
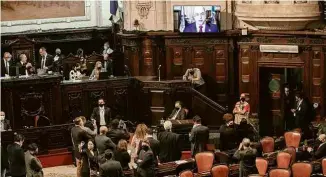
(103, 142)
(201, 24)
(241, 109)
(6, 63)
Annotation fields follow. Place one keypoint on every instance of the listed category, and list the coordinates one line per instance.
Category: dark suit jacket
(109, 66)
(78, 135)
(33, 166)
(6, 124)
(111, 168)
(104, 143)
(198, 138)
(170, 146)
(301, 115)
(16, 158)
(96, 115)
(22, 69)
(155, 147)
(48, 62)
(146, 168)
(321, 151)
(181, 115)
(3, 67)
(229, 138)
(123, 157)
(208, 28)
(89, 160)
(57, 65)
(117, 134)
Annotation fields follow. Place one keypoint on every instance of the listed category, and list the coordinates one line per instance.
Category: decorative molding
(254, 47)
(196, 41)
(129, 42)
(305, 48)
(318, 41)
(264, 40)
(295, 41)
(143, 8)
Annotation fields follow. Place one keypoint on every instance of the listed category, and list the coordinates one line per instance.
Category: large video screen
(196, 19)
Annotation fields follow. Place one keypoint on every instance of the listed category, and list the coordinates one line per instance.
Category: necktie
(200, 28)
(7, 67)
(42, 63)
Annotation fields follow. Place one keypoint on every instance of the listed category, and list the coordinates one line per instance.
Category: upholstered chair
(292, 139)
(220, 171)
(261, 165)
(267, 144)
(279, 173)
(204, 161)
(301, 169)
(222, 157)
(292, 151)
(283, 160)
(323, 165)
(186, 173)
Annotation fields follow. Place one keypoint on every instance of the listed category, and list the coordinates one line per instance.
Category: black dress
(89, 163)
(123, 157)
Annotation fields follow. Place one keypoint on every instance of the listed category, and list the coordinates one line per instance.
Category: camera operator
(118, 131)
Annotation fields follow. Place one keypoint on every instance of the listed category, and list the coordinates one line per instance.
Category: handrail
(210, 101)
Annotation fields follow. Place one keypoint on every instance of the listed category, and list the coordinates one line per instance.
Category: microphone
(159, 66)
(159, 72)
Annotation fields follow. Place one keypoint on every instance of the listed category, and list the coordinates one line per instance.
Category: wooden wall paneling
(307, 71)
(317, 77)
(72, 101)
(254, 76)
(91, 94)
(175, 61)
(221, 72)
(147, 67)
(157, 105)
(245, 69)
(134, 61)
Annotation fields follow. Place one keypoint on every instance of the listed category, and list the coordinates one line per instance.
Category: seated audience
(89, 160)
(25, 68)
(121, 154)
(16, 157)
(247, 156)
(116, 134)
(75, 73)
(102, 113)
(154, 145)
(4, 123)
(95, 75)
(170, 144)
(318, 151)
(241, 109)
(139, 135)
(110, 167)
(103, 142)
(178, 112)
(198, 136)
(245, 130)
(33, 164)
(228, 134)
(194, 76)
(79, 136)
(145, 161)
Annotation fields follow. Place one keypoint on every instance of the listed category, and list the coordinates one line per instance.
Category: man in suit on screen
(201, 24)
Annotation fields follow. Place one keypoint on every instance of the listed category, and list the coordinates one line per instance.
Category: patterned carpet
(60, 171)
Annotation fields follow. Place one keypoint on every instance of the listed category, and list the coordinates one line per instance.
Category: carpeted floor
(60, 171)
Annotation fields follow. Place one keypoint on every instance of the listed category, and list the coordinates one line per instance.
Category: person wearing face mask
(25, 67)
(6, 63)
(33, 164)
(288, 103)
(194, 76)
(145, 161)
(95, 75)
(101, 114)
(4, 123)
(178, 112)
(241, 109)
(89, 160)
(57, 61)
(16, 157)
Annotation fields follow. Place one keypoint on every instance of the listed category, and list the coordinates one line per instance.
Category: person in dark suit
(228, 134)
(57, 61)
(4, 123)
(4, 161)
(201, 24)
(16, 157)
(178, 112)
(79, 137)
(33, 164)
(198, 136)
(154, 145)
(288, 103)
(300, 112)
(46, 61)
(6, 63)
(121, 154)
(108, 64)
(110, 168)
(145, 161)
(101, 114)
(247, 156)
(116, 134)
(25, 68)
(170, 144)
(103, 142)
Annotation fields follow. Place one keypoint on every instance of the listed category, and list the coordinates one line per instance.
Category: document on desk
(178, 162)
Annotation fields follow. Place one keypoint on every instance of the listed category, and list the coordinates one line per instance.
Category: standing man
(110, 167)
(57, 61)
(46, 60)
(146, 161)
(33, 164)
(103, 142)
(101, 114)
(4, 123)
(170, 144)
(154, 145)
(6, 63)
(198, 137)
(300, 112)
(16, 157)
(116, 134)
(288, 103)
(241, 109)
(247, 156)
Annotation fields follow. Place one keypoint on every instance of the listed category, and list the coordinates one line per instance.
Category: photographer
(246, 155)
(118, 131)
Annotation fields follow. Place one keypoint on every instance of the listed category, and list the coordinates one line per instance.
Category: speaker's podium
(160, 96)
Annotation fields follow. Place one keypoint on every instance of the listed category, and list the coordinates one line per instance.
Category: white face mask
(2, 118)
(106, 47)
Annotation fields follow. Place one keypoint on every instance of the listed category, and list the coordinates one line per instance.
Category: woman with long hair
(121, 154)
(139, 136)
(89, 167)
(96, 71)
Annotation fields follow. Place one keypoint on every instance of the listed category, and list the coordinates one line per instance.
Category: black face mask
(242, 99)
(192, 72)
(145, 148)
(101, 105)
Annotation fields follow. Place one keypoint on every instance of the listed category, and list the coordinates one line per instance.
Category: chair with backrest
(292, 139)
(204, 162)
(261, 165)
(323, 165)
(279, 173)
(301, 169)
(292, 151)
(186, 173)
(267, 144)
(283, 160)
(220, 171)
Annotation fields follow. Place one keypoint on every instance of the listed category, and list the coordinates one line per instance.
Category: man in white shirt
(46, 60)
(5, 64)
(101, 114)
